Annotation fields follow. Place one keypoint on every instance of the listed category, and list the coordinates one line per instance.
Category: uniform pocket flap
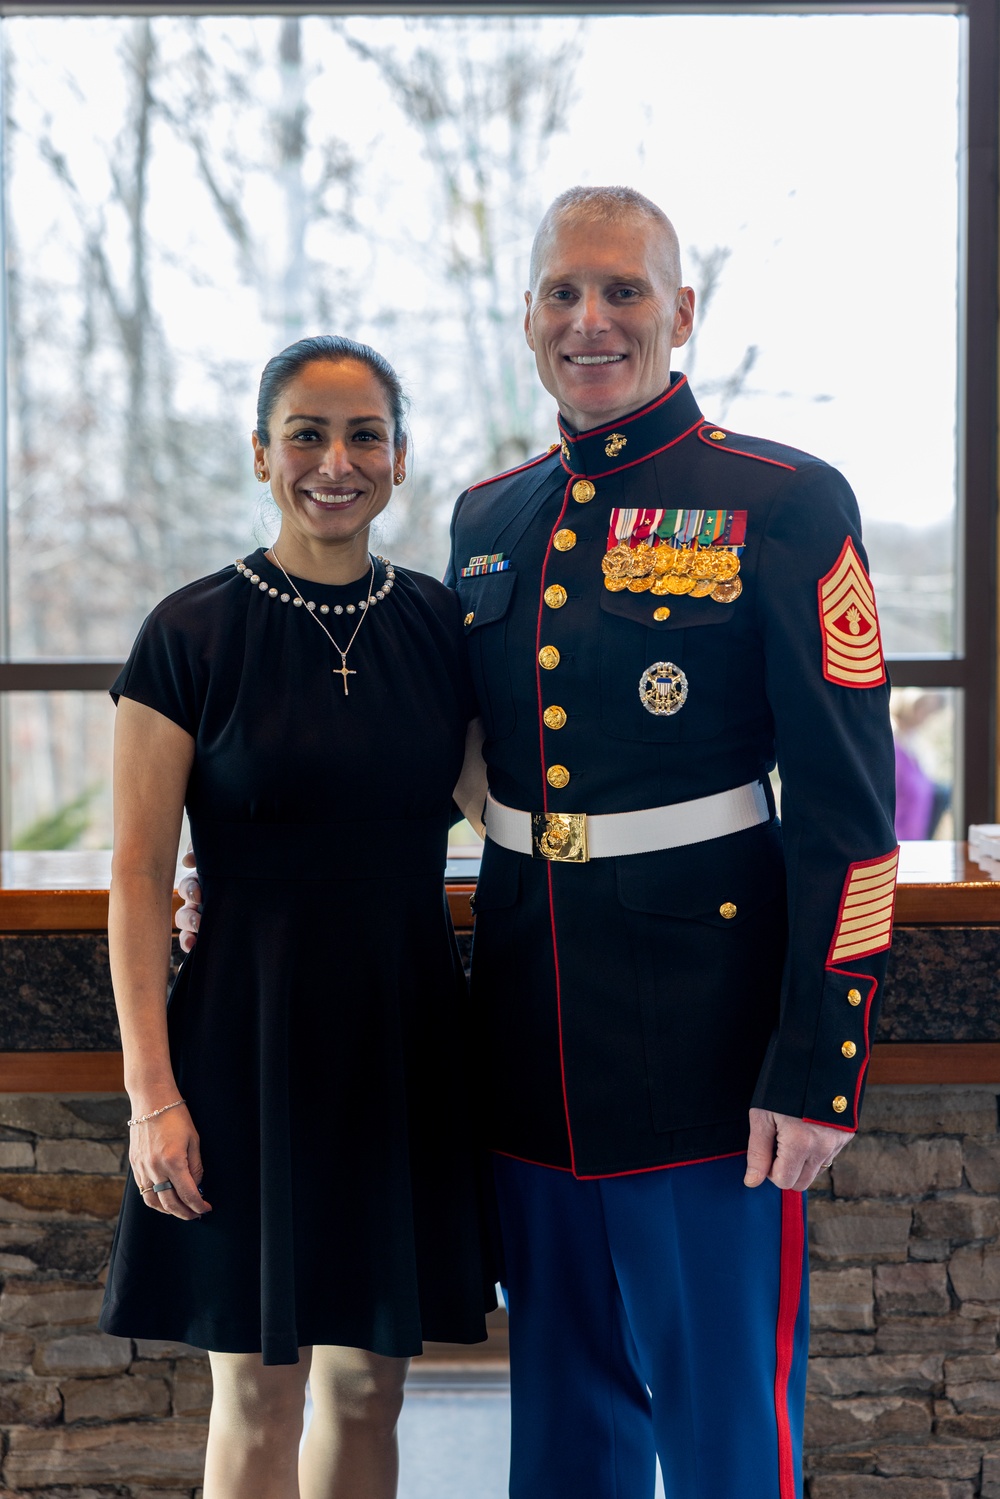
(722, 882)
(684, 612)
(485, 599)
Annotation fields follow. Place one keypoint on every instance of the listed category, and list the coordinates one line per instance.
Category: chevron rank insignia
(848, 621)
(864, 921)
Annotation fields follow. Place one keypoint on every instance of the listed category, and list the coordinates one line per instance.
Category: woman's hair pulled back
(280, 371)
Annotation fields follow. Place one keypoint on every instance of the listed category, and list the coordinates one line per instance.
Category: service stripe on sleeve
(848, 621)
(864, 921)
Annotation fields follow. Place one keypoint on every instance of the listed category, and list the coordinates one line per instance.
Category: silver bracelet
(142, 1118)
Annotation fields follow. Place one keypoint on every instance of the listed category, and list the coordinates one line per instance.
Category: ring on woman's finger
(164, 1186)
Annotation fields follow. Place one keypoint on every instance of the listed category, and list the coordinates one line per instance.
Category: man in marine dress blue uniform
(677, 996)
(655, 610)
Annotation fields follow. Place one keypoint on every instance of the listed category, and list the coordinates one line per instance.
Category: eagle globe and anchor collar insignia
(631, 439)
(663, 689)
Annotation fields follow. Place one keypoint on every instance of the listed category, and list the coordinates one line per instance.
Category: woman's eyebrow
(322, 421)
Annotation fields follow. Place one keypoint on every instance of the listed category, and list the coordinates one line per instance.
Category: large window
(187, 193)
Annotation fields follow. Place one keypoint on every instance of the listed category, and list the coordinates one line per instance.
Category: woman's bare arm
(153, 758)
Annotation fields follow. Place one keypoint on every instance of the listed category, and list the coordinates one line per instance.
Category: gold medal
(618, 562)
(703, 564)
(640, 585)
(641, 565)
(683, 562)
(663, 561)
(727, 565)
(703, 588)
(660, 586)
(615, 585)
(679, 585)
(724, 593)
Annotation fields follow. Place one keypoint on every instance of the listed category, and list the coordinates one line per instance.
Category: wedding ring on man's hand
(144, 1190)
(163, 1186)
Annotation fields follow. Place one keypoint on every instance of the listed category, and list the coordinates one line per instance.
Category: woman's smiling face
(332, 454)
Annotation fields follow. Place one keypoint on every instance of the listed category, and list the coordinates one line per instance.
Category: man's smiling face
(604, 315)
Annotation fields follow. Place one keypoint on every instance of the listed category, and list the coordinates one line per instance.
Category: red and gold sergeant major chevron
(848, 620)
(864, 922)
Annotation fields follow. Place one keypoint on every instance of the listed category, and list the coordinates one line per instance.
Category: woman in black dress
(305, 1194)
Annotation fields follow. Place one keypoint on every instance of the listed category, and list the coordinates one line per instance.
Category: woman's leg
(255, 1427)
(350, 1450)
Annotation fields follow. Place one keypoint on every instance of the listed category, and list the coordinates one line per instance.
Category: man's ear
(527, 321)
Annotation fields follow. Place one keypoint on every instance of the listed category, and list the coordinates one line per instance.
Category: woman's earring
(261, 475)
(398, 476)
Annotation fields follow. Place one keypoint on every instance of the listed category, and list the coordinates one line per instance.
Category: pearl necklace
(361, 607)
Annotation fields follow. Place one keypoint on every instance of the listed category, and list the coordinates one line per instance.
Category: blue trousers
(663, 1313)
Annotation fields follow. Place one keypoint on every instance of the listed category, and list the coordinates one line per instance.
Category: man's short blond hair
(603, 205)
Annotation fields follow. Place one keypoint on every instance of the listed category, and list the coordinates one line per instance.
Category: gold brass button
(554, 717)
(583, 491)
(548, 657)
(470, 617)
(564, 541)
(727, 910)
(839, 1104)
(555, 596)
(662, 613)
(849, 1049)
(853, 997)
(557, 776)
(553, 446)
(717, 436)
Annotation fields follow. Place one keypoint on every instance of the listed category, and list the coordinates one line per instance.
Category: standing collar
(634, 438)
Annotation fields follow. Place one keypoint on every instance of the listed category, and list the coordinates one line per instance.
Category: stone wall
(905, 1370)
(82, 1414)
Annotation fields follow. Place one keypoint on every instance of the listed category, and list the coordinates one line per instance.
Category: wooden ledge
(899, 1062)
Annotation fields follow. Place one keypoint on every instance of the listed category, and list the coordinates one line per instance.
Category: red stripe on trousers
(789, 1295)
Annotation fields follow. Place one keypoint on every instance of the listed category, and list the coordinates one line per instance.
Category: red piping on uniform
(740, 453)
(647, 1170)
(545, 808)
(862, 978)
(624, 421)
(789, 1295)
(607, 472)
(597, 1176)
(509, 1155)
(848, 1129)
(509, 472)
(884, 946)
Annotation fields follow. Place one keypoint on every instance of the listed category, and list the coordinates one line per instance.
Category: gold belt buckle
(560, 837)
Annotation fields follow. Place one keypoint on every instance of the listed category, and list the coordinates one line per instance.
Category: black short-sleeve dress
(319, 1030)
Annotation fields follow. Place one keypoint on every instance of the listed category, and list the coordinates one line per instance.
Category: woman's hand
(188, 918)
(167, 1149)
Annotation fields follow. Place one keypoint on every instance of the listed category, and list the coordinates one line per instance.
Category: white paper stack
(984, 847)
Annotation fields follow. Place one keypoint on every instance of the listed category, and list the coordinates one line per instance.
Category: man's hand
(788, 1151)
(189, 915)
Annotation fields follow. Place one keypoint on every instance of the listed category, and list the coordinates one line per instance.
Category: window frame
(973, 667)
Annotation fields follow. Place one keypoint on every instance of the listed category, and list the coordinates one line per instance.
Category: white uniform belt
(576, 837)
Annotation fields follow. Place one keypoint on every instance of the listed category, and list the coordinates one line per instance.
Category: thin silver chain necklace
(364, 605)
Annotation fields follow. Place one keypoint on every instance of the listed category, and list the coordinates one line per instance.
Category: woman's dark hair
(282, 369)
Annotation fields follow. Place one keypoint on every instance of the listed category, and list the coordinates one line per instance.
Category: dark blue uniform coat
(628, 1021)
